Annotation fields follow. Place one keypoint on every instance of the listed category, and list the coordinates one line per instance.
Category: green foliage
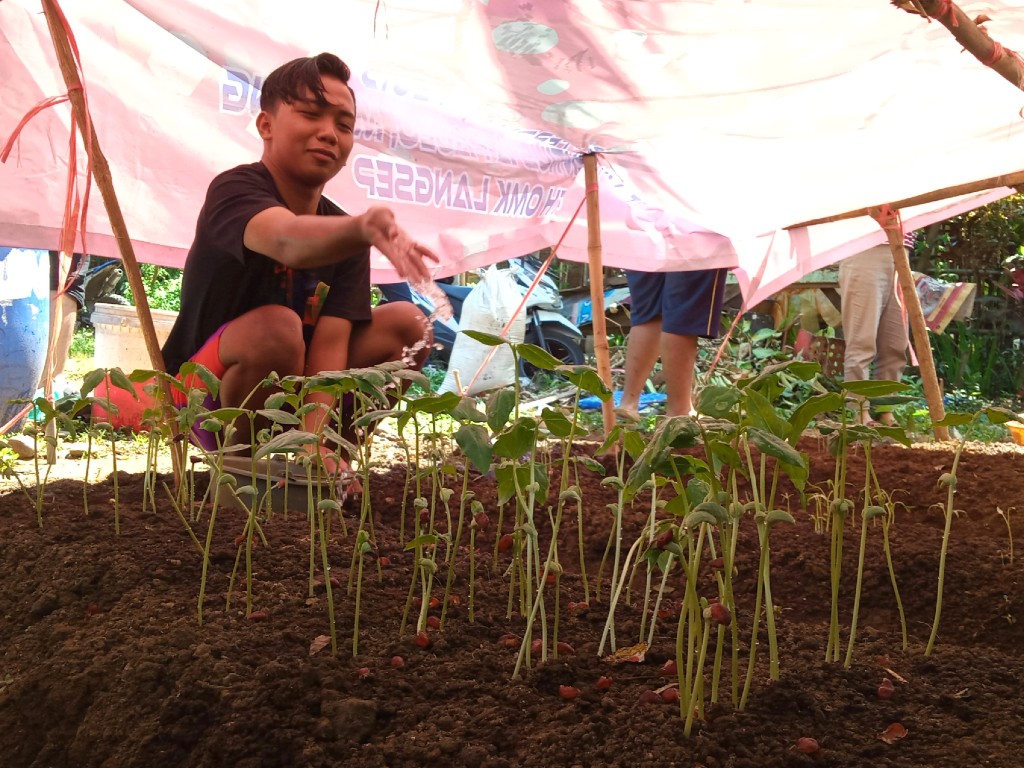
(163, 287)
(983, 247)
(83, 344)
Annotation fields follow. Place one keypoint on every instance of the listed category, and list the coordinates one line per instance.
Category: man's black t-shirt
(223, 279)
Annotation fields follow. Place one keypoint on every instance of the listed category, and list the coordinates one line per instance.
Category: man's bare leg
(642, 349)
(265, 340)
(394, 329)
(678, 361)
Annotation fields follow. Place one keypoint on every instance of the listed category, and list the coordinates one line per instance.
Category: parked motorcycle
(546, 327)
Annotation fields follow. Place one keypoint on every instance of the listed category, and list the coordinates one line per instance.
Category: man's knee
(268, 336)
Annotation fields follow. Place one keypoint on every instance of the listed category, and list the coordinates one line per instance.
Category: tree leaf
(475, 443)
(500, 405)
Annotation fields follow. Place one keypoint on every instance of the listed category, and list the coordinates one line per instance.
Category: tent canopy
(718, 122)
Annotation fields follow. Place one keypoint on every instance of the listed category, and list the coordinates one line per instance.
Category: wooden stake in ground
(918, 327)
(602, 353)
(101, 171)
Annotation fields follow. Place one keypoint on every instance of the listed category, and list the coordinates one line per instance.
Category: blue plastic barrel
(24, 325)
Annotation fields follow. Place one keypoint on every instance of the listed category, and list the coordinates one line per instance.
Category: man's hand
(407, 256)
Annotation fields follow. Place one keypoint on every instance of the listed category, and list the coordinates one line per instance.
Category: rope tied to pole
(945, 8)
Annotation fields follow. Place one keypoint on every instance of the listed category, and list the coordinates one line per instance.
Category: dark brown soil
(105, 664)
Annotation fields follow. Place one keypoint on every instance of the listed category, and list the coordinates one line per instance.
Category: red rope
(75, 207)
(994, 56)
(946, 7)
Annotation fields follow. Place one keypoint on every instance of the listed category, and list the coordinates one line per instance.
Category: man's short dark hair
(290, 82)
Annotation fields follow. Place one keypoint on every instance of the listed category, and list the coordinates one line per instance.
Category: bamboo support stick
(975, 40)
(105, 183)
(918, 327)
(1005, 180)
(602, 352)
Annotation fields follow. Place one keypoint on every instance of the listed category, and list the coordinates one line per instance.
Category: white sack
(487, 309)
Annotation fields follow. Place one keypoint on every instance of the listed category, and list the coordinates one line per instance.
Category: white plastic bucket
(119, 339)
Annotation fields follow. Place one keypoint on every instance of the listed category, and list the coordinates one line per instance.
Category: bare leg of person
(337, 344)
(642, 349)
(260, 342)
(678, 361)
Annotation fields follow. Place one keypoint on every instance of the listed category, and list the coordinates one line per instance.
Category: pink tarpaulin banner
(716, 124)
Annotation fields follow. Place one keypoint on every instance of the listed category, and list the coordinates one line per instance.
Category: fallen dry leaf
(634, 654)
(318, 644)
(893, 733)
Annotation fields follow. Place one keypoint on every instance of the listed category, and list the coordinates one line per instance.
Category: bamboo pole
(105, 183)
(972, 36)
(602, 352)
(918, 327)
(1005, 180)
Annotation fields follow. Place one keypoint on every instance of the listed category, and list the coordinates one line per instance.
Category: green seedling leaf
(677, 506)
(475, 443)
(586, 378)
(330, 436)
(719, 402)
(335, 382)
(699, 516)
(592, 464)
(292, 441)
(119, 380)
(487, 339)
(874, 511)
(329, 505)
(762, 415)
(813, 406)
(725, 455)
(276, 401)
(696, 491)
(801, 369)
(717, 511)
(279, 417)
(539, 358)
(954, 419)
(466, 412)
(572, 493)
(369, 379)
(775, 446)
(672, 432)
(887, 401)
(613, 482)
(373, 417)
(612, 439)
(246, 490)
(426, 540)
(141, 375)
(91, 380)
(872, 388)
(413, 377)
(226, 415)
(999, 415)
(433, 404)
(633, 443)
(499, 406)
(210, 382)
(540, 477)
(556, 422)
(507, 475)
(895, 433)
(779, 516)
(517, 440)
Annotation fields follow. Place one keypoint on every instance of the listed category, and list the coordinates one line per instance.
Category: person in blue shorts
(669, 312)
